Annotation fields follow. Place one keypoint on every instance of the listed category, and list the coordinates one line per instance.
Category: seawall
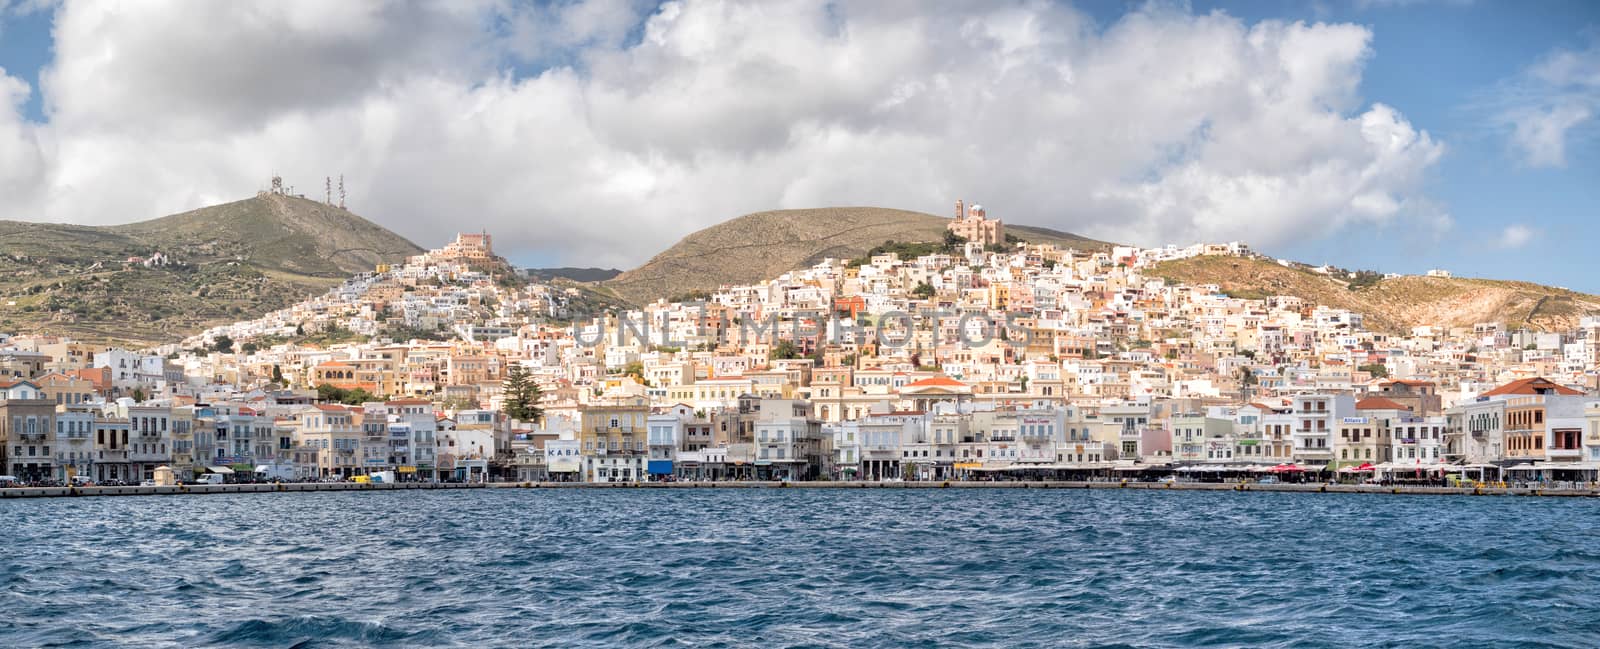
(59, 492)
(202, 489)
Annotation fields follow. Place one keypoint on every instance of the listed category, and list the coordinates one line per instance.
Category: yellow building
(614, 427)
(612, 436)
(335, 435)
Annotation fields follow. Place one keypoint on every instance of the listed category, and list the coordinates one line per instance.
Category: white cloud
(1162, 126)
(1385, 4)
(1549, 101)
(22, 163)
(1516, 236)
(1540, 134)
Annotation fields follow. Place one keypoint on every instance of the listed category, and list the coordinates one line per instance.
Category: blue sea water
(800, 568)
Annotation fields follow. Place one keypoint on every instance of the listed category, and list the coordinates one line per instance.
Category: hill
(222, 263)
(574, 274)
(1393, 305)
(760, 246)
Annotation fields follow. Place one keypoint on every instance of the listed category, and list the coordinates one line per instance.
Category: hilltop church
(973, 225)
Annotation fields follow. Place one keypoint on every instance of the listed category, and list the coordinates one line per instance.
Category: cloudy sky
(1397, 135)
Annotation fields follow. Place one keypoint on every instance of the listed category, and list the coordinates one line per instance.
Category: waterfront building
(74, 443)
(664, 439)
(1418, 441)
(613, 434)
(149, 437)
(335, 435)
(789, 441)
(1198, 438)
(27, 429)
(112, 457)
(1316, 416)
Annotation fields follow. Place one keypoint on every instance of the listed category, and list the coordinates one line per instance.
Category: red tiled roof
(1535, 385)
(1380, 403)
(937, 382)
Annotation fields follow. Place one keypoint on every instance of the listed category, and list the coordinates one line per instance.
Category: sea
(799, 568)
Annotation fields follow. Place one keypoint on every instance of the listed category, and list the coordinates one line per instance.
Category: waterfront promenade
(1582, 491)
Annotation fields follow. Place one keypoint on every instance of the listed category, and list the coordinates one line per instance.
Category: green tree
(223, 344)
(522, 395)
(635, 370)
(331, 394)
(138, 395)
(277, 375)
(327, 392)
(953, 242)
(784, 350)
(1377, 370)
(923, 291)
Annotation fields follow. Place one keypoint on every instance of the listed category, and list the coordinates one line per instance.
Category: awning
(220, 469)
(1568, 466)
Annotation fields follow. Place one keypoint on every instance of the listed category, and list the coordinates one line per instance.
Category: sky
(1391, 135)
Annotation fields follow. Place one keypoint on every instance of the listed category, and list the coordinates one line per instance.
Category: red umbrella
(1366, 467)
(1286, 468)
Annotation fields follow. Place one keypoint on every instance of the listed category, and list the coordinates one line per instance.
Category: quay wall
(202, 489)
(47, 492)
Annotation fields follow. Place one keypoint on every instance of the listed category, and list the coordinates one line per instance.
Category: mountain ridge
(157, 280)
(1392, 304)
(762, 245)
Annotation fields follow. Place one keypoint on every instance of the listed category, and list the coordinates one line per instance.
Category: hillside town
(981, 357)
